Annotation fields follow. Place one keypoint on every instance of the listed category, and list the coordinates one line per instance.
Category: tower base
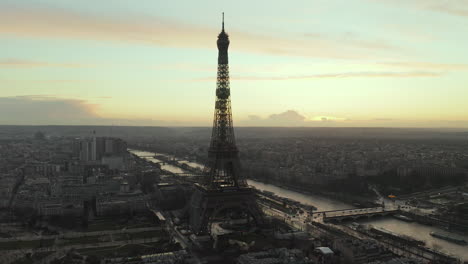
(206, 206)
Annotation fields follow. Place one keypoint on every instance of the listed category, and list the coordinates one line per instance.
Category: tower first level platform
(238, 205)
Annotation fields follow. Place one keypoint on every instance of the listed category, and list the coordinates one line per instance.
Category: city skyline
(326, 63)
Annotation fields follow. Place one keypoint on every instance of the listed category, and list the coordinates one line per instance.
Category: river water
(322, 203)
(418, 231)
(149, 156)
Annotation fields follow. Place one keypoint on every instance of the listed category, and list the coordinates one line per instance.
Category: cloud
(451, 7)
(20, 63)
(412, 33)
(58, 23)
(288, 116)
(291, 118)
(55, 110)
(44, 109)
(355, 40)
(183, 67)
(51, 81)
(328, 119)
(412, 74)
(254, 118)
(344, 75)
(427, 65)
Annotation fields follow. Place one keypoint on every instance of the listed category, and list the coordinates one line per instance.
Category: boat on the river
(404, 238)
(450, 238)
(403, 218)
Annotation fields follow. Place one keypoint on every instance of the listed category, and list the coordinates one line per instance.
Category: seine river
(418, 231)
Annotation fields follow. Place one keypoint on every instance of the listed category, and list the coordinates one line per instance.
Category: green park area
(141, 235)
(111, 224)
(84, 240)
(129, 249)
(32, 258)
(18, 244)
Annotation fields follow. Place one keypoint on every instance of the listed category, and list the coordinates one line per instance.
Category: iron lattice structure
(223, 167)
(224, 192)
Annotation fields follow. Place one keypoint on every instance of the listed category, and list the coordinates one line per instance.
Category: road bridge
(355, 213)
(189, 174)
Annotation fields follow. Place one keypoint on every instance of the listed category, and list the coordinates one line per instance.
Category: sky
(339, 63)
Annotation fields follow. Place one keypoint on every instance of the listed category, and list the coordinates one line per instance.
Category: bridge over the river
(354, 214)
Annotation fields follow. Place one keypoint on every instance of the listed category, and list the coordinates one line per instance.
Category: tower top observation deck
(223, 45)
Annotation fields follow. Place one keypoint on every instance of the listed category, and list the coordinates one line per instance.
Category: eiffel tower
(224, 193)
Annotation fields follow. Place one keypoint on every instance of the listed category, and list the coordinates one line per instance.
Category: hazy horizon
(210, 127)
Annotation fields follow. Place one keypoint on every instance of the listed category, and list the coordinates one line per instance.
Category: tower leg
(208, 206)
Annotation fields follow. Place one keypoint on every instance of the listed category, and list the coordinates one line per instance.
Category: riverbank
(352, 200)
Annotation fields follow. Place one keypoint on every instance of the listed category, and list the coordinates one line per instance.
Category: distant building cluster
(69, 176)
(361, 251)
(103, 150)
(313, 161)
(310, 160)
